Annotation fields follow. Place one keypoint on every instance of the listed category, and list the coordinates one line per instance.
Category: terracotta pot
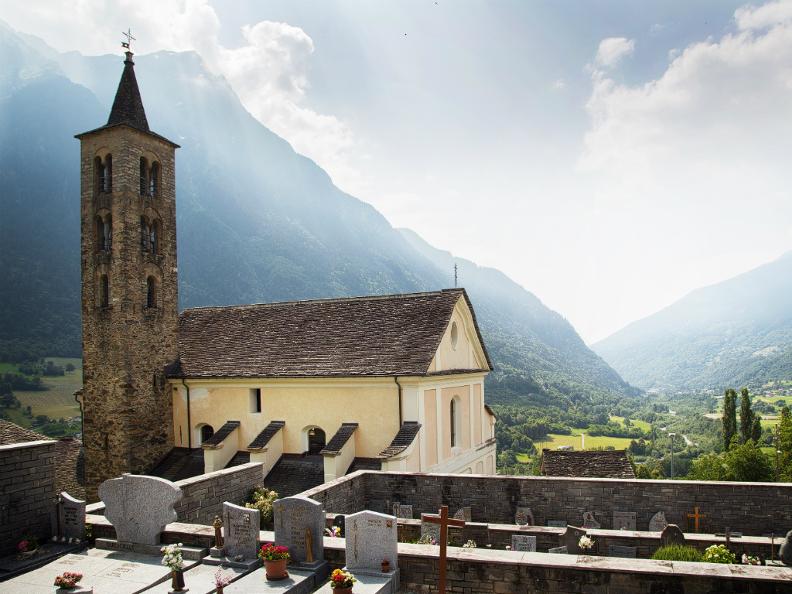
(276, 570)
(343, 590)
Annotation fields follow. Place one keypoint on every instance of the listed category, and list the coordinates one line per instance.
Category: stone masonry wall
(204, 495)
(341, 496)
(752, 508)
(27, 491)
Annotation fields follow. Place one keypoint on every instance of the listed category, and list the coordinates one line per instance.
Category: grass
(56, 402)
(600, 441)
(642, 425)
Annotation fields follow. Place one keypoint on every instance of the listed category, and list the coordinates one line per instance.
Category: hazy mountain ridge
(734, 333)
(256, 221)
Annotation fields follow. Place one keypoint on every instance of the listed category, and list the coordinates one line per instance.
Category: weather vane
(128, 43)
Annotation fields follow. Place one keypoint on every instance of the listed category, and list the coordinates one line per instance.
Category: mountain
(256, 221)
(734, 333)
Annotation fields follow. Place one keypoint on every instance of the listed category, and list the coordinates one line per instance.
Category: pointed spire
(128, 106)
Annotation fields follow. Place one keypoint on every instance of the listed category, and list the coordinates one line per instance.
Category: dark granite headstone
(671, 535)
(571, 538)
(619, 551)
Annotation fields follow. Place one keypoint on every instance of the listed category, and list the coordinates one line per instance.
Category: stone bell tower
(129, 289)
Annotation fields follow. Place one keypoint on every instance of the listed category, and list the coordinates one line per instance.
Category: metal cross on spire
(128, 43)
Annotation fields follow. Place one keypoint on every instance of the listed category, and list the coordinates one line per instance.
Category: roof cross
(128, 43)
(444, 521)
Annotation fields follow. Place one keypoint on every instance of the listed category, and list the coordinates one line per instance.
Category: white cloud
(612, 50)
(774, 13)
(268, 70)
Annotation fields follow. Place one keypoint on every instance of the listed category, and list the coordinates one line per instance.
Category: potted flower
(28, 546)
(68, 580)
(341, 581)
(275, 559)
(385, 566)
(173, 560)
(221, 580)
(586, 544)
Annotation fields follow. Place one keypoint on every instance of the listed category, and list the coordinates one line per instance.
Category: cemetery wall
(27, 491)
(752, 508)
(344, 495)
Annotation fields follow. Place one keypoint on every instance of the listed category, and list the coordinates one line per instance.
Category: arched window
(316, 440)
(453, 425)
(107, 235)
(154, 237)
(151, 292)
(104, 291)
(99, 174)
(154, 180)
(107, 181)
(206, 433)
(143, 176)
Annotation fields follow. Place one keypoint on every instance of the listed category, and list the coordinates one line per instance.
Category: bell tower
(129, 289)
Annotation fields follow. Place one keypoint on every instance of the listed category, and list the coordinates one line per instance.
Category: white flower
(585, 542)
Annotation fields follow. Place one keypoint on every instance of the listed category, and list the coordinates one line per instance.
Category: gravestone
(521, 542)
(571, 538)
(589, 521)
(619, 551)
(624, 520)
(371, 538)
(403, 511)
(672, 535)
(432, 530)
(71, 517)
(241, 531)
(139, 507)
(556, 523)
(558, 550)
(464, 513)
(524, 516)
(785, 552)
(658, 522)
(299, 525)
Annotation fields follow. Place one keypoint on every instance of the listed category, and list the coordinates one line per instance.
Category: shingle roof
(403, 439)
(263, 438)
(593, 464)
(340, 438)
(11, 433)
(127, 105)
(359, 336)
(219, 436)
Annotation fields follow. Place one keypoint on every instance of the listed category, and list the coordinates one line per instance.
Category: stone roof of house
(340, 438)
(592, 464)
(11, 433)
(405, 436)
(386, 335)
(220, 435)
(263, 438)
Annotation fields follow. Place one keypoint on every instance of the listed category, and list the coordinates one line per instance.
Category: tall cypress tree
(729, 417)
(746, 416)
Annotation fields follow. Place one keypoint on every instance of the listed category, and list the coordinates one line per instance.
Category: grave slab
(524, 543)
(200, 579)
(624, 520)
(300, 581)
(110, 544)
(620, 551)
(365, 584)
(556, 524)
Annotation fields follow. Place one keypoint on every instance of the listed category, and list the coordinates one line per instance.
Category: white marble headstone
(139, 507)
(624, 520)
(589, 521)
(294, 518)
(241, 531)
(433, 530)
(371, 538)
(464, 513)
(71, 517)
(521, 542)
(658, 522)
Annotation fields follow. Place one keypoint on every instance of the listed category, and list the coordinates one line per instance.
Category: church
(311, 389)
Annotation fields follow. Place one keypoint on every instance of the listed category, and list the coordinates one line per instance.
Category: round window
(454, 335)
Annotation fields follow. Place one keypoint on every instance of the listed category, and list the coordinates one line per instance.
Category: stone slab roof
(345, 431)
(263, 438)
(387, 335)
(11, 433)
(407, 433)
(220, 435)
(592, 464)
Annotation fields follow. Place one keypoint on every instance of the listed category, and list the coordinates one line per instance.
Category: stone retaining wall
(27, 491)
(751, 508)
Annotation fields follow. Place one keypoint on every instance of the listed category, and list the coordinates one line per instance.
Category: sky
(610, 157)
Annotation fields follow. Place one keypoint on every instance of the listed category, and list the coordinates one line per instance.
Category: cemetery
(390, 532)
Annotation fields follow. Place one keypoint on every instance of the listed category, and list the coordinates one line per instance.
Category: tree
(785, 443)
(746, 416)
(747, 462)
(729, 417)
(756, 429)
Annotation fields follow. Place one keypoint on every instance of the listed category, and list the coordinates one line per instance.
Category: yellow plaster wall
(478, 414)
(429, 429)
(466, 353)
(300, 403)
(446, 394)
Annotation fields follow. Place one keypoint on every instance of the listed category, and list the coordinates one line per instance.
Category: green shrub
(719, 554)
(677, 553)
(261, 499)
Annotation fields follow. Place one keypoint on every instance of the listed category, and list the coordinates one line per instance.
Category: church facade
(386, 382)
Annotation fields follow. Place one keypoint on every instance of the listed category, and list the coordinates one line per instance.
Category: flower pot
(343, 590)
(276, 570)
(177, 580)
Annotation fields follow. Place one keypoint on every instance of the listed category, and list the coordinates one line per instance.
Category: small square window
(255, 400)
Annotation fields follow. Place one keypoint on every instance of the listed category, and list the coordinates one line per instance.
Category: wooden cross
(128, 43)
(695, 516)
(444, 521)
